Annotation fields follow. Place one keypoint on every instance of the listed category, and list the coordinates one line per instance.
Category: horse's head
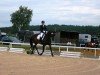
(51, 33)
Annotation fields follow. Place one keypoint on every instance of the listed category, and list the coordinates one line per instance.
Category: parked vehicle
(83, 39)
(10, 39)
(2, 34)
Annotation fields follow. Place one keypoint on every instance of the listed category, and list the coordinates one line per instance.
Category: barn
(66, 36)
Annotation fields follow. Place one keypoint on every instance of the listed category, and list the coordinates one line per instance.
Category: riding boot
(41, 40)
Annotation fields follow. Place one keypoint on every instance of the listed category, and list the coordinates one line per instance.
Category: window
(86, 36)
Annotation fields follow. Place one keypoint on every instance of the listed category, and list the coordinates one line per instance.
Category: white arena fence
(16, 50)
(74, 47)
(10, 49)
(70, 54)
(54, 45)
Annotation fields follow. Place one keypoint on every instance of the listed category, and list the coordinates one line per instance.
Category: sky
(69, 12)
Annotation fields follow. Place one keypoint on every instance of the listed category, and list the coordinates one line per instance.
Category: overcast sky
(75, 12)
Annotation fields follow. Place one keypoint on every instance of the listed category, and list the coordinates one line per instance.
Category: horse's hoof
(30, 52)
(52, 55)
(40, 54)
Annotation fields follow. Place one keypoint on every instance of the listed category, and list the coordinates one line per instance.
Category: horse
(92, 45)
(46, 41)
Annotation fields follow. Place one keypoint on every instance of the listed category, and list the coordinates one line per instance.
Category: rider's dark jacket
(43, 28)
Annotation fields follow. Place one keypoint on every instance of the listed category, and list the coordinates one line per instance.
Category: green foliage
(93, 30)
(6, 30)
(21, 19)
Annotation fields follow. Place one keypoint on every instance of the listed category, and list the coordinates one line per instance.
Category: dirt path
(23, 64)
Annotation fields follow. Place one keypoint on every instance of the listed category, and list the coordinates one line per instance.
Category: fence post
(95, 52)
(59, 49)
(67, 48)
(10, 45)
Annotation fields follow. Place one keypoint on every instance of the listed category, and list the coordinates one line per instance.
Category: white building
(36, 32)
(84, 37)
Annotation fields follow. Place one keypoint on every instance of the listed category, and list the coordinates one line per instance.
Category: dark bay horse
(46, 41)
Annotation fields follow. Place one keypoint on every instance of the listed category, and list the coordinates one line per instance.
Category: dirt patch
(23, 64)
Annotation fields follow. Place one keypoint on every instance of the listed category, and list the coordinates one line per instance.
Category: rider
(43, 30)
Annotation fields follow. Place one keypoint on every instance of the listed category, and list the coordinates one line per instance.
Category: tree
(21, 19)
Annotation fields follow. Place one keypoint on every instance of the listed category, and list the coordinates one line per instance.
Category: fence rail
(54, 45)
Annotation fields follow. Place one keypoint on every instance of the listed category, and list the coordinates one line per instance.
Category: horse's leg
(42, 50)
(51, 50)
(32, 49)
(37, 49)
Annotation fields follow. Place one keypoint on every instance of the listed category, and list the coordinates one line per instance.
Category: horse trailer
(84, 38)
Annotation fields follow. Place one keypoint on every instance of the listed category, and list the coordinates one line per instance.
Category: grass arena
(24, 64)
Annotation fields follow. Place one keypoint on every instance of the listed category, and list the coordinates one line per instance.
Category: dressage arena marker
(70, 54)
(99, 57)
(16, 50)
(3, 48)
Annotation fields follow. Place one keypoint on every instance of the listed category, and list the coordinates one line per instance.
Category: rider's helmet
(42, 21)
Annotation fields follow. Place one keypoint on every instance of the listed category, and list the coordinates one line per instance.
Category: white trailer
(85, 38)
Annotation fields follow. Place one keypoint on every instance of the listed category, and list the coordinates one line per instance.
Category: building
(66, 36)
(36, 32)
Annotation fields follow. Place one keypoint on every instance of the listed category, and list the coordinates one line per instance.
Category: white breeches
(40, 35)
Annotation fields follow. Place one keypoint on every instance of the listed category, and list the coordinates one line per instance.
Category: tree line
(93, 30)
